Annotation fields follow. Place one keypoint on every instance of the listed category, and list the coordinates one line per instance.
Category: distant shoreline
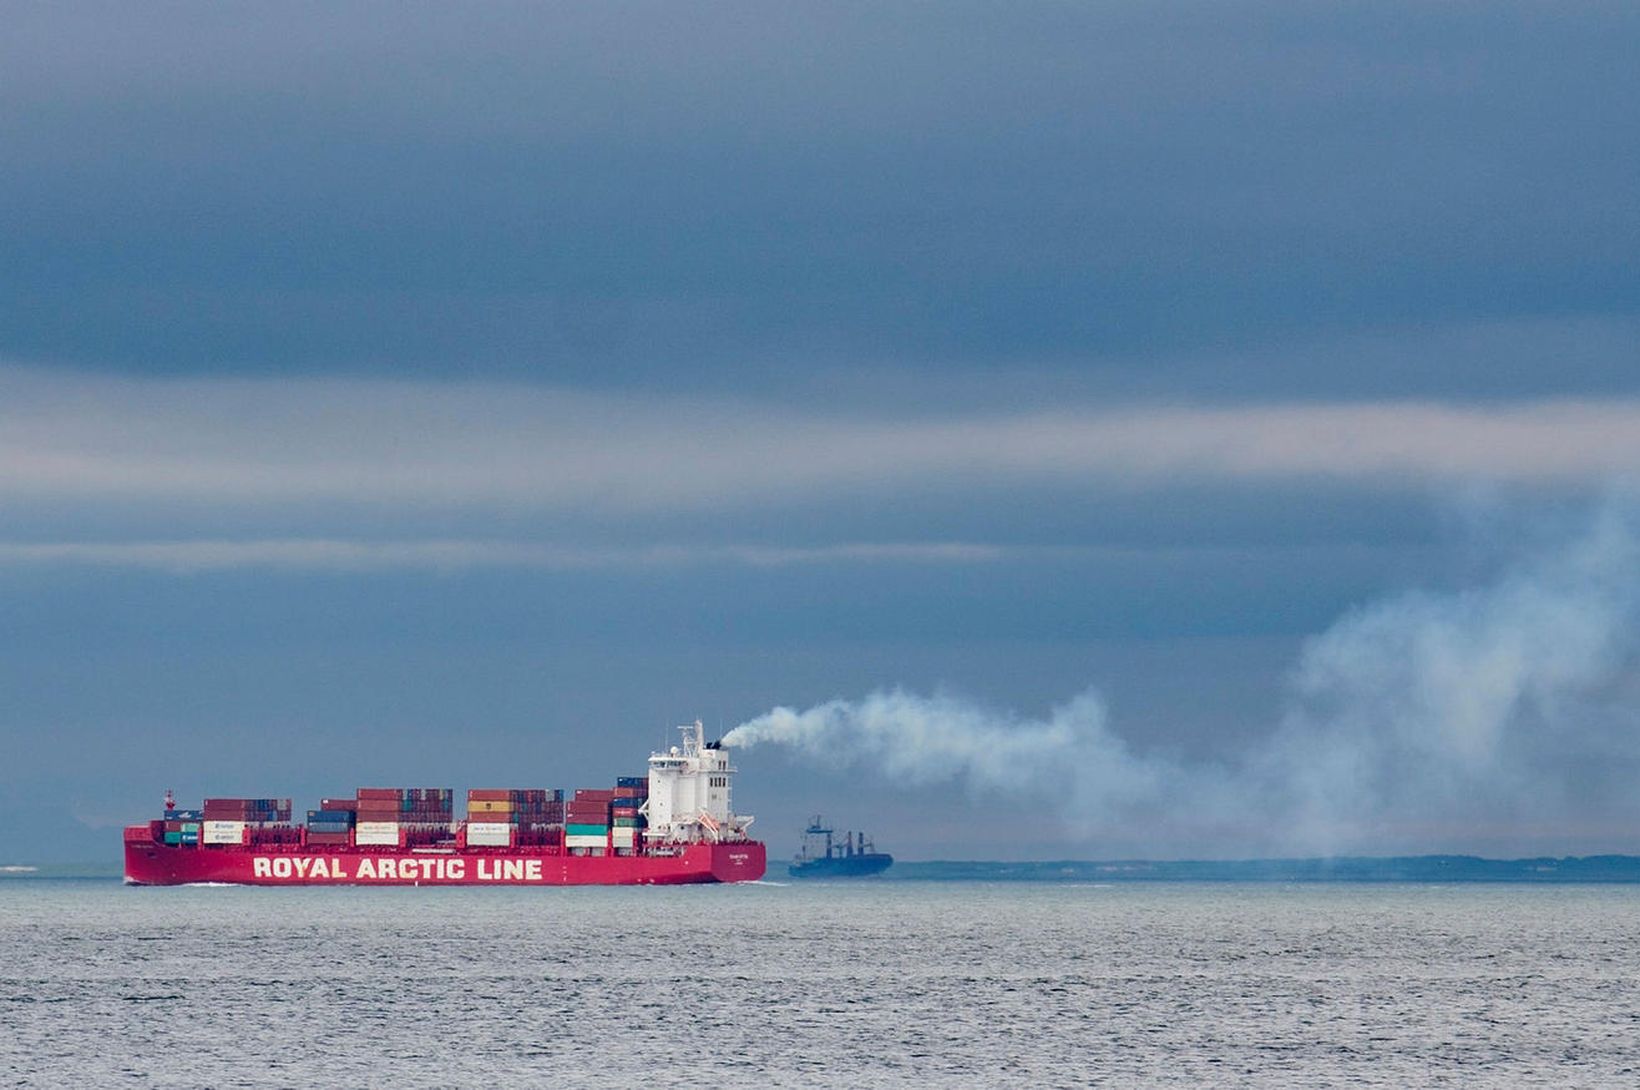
(1397, 868)
(1542, 870)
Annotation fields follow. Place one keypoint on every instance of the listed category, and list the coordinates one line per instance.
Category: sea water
(874, 983)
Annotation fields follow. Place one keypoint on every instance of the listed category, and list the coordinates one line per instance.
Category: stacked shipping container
(586, 821)
(181, 832)
(332, 824)
(396, 817)
(592, 821)
(539, 817)
(597, 820)
(627, 823)
(232, 821)
(246, 810)
(500, 817)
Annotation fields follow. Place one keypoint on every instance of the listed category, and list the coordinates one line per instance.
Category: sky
(1054, 430)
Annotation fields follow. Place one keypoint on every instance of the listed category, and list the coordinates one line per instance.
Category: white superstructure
(689, 789)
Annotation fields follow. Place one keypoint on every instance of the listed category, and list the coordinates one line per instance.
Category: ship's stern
(739, 861)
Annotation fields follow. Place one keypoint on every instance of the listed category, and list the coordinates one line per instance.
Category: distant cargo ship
(821, 857)
(673, 825)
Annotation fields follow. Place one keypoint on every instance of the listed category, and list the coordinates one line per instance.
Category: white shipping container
(585, 842)
(379, 828)
(623, 837)
(377, 840)
(489, 834)
(224, 832)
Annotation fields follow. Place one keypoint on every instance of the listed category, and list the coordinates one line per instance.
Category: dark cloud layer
(605, 193)
(774, 354)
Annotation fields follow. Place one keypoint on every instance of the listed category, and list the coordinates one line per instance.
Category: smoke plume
(1417, 721)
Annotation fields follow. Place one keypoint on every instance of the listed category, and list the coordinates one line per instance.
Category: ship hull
(847, 866)
(153, 864)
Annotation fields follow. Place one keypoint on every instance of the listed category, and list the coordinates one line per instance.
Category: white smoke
(1483, 704)
(1426, 717)
(918, 739)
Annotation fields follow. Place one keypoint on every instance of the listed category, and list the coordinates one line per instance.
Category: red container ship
(673, 825)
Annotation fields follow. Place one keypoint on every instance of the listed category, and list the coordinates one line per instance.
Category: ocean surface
(961, 984)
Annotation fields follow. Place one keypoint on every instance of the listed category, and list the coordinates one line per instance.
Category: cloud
(627, 183)
(398, 444)
(360, 556)
(1412, 722)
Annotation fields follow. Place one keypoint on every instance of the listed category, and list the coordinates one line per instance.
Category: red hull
(152, 864)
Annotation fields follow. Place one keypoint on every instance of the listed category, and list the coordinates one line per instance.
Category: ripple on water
(878, 984)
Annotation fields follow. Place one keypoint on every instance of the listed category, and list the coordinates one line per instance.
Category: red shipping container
(489, 794)
(338, 804)
(593, 794)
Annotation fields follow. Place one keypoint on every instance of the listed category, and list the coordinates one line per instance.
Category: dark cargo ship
(822, 857)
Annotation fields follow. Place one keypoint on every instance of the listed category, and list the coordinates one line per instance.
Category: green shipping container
(586, 830)
(173, 838)
(628, 823)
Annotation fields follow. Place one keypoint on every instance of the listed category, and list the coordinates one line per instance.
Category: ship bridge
(690, 786)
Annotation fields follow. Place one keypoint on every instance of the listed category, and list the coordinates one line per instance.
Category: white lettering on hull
(388, 869)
